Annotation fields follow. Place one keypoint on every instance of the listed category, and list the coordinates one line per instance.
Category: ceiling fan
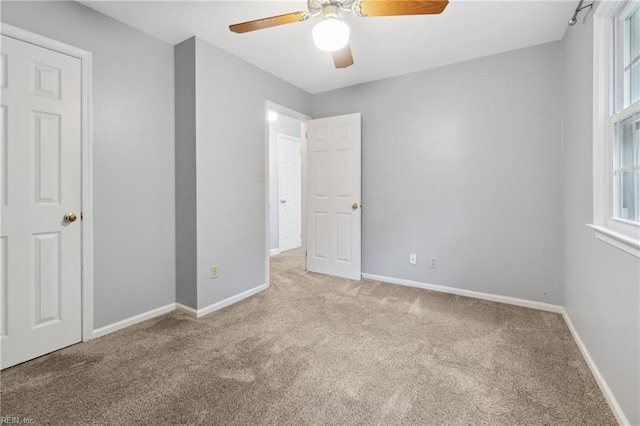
(331, 34)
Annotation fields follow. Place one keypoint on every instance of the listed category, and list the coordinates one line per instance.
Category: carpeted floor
(320, 350)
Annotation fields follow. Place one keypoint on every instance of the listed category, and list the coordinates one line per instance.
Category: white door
(41, 170)
(289, 192)
(333, 188)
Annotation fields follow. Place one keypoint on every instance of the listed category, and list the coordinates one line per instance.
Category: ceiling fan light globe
(330, 34)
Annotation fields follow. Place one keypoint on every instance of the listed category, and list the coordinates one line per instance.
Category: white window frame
(608, 110)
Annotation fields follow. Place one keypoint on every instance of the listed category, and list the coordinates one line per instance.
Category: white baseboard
(176, 306)
(223, 303)
(604, 387)
(186, 309)
(608, 394)
(274, 252)
(133, 320)
(469, 293)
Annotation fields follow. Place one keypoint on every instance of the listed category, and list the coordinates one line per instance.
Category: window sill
(623, 242)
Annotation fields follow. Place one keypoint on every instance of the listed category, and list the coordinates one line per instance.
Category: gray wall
(133, 154)
(231, 133)
(462, 163)
(602, 283)
(186, 230)
(287, 126)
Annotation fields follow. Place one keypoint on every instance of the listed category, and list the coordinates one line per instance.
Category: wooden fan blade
(400, 7)
(343, 58)
(273, 21)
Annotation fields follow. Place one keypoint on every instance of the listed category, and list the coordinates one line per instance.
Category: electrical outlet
(260, 175)
(214, 271)
(433, 262)
(413, 258)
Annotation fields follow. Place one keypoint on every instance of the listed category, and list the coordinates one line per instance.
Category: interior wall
(286, 126)
(186, 229)
(462, 163)
(133, 142)
(602, 283)
(231, 145)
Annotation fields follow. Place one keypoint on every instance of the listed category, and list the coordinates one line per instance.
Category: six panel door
(40, 251)
(333, 196)
(289, 192)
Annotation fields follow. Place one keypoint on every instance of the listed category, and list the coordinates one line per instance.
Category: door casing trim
(86, 60)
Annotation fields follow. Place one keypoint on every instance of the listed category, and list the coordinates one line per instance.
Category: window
(630, 33)
(617, 124)
(627, 170)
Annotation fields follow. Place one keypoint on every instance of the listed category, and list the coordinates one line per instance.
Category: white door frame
(87, 160)
(271, 106)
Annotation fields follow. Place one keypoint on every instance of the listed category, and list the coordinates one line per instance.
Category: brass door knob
(354, 206)
(70, 217)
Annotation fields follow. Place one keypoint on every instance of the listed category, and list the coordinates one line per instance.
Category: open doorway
(285, 144)
(313, 202)
(285, 182)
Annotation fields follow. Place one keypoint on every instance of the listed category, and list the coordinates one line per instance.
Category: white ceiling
(382, 46)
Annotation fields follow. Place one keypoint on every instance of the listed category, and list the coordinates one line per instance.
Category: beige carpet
(319, 350)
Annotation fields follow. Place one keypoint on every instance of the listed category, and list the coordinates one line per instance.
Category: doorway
(286, 132)
(330, 192)
(287, 128)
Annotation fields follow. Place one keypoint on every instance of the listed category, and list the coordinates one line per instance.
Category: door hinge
(81, 215)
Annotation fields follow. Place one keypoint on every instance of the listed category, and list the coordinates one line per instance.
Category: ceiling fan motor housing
(330, 8)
